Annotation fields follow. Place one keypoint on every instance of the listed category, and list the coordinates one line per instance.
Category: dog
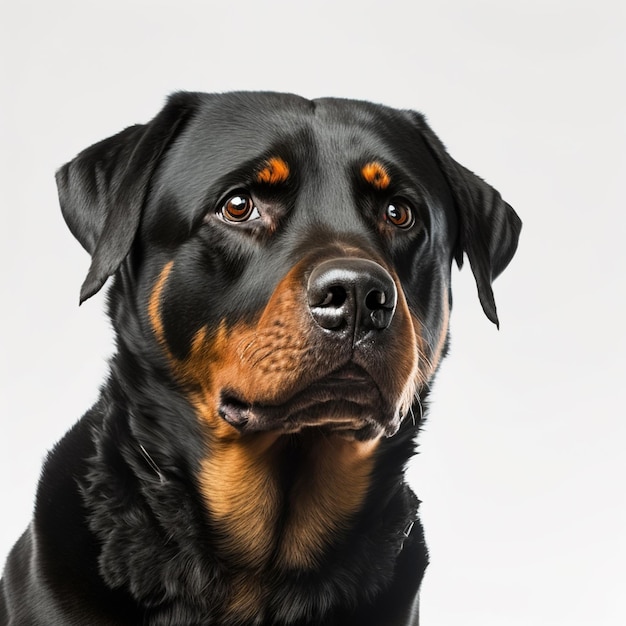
(280, 297)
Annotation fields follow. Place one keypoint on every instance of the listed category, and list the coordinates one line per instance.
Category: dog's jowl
(280, 295)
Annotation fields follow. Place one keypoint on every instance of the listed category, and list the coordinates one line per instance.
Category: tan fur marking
(154, 306)
(264, 359)
(240, 486)
(331, 490)
(376, 174)
(275, 171)
(406, 356)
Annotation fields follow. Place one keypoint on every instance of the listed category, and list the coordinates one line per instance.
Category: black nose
(352, 293)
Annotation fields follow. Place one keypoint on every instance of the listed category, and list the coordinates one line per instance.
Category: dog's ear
(488, 227)
(102, 191)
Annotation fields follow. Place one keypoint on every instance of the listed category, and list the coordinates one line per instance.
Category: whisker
(419, 403)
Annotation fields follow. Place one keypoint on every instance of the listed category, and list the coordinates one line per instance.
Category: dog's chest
(280, 505)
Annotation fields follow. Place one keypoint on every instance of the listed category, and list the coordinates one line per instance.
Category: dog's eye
(399, 214)
(239, 208)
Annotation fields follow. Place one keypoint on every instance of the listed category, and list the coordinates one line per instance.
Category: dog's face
(302, 272)
(291, 259)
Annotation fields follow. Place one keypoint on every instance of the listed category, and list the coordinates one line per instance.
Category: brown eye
(239, 208)
(399, 214)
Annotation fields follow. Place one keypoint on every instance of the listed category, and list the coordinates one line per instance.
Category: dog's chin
(347, 403)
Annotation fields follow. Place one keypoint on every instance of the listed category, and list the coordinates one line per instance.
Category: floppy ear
(102, 191)
(489, 227)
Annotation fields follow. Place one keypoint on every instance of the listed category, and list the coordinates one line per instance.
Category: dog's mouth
(346, 401)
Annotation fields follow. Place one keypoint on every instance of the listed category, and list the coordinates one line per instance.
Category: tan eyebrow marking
(274, 172)
(376, 174)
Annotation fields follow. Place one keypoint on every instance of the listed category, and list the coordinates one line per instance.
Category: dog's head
(289, 259)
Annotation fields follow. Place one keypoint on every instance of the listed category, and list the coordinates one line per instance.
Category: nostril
(335, 297)
(375, 300)
(328, 304)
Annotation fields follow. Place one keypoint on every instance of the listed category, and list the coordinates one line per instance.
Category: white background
(522, 465)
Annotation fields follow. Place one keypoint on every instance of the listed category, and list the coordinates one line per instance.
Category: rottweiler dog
(280, 298)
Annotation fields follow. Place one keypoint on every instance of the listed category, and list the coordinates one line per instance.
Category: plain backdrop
(521, 467)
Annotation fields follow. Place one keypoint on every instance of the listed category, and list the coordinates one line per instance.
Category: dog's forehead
(231, 131)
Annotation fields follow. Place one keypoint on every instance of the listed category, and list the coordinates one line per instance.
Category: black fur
(120, 533)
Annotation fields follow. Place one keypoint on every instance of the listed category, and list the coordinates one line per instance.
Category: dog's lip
(346, 400)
